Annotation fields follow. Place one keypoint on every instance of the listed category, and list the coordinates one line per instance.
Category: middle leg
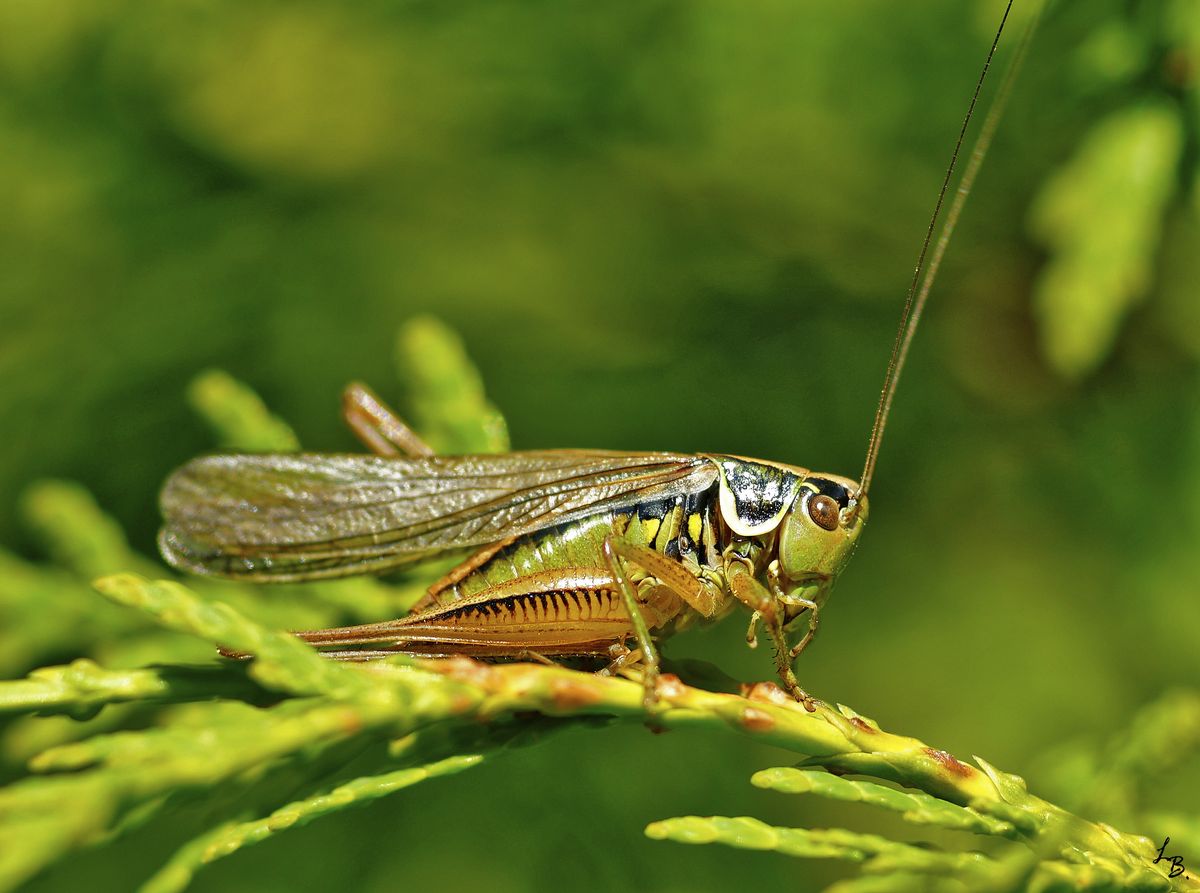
(697, 593)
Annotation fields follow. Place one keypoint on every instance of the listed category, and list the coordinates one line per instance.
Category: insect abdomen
(551, 593)
(558, 621)
(559, 613)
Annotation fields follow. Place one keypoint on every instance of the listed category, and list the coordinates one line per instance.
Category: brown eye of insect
(824, 512)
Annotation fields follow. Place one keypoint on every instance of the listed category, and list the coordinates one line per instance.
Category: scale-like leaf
(915, 806)
(744, 832)
(227, 839)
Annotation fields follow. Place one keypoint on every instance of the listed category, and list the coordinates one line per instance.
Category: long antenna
(918, 289)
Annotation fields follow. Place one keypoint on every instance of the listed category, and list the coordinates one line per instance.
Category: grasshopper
(566, 553)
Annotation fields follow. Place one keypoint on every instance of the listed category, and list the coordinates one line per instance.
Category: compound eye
(824, 512)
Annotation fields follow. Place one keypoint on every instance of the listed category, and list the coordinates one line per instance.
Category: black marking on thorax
(754, 496)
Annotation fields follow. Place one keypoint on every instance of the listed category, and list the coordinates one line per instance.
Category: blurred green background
(656, 225)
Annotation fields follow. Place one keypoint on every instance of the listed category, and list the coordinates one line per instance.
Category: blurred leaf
(76, 533)
(228, 839)
(1112, 54)
(1100, 217)
(1114, 780)
(306, 93)
(237, 416)
(449, 406)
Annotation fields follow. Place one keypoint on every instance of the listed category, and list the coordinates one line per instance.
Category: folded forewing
(305, 516)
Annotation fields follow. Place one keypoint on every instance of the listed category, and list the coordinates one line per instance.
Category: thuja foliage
(151, 721)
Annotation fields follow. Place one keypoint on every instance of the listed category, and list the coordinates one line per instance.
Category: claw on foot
(792, 685)
(752, 632)
(809, 702)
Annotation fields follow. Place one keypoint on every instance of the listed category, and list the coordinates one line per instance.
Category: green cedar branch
(404, 695)
(327, 704)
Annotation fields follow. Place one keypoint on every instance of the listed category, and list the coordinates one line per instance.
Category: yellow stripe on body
(669, 531)
(650, 528)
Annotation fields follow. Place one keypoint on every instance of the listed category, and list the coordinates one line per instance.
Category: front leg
(811, 605)
(765, 604)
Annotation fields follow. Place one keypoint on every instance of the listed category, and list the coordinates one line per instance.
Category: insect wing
(290, 517)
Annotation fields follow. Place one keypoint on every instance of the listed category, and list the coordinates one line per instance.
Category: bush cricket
(568, 553)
